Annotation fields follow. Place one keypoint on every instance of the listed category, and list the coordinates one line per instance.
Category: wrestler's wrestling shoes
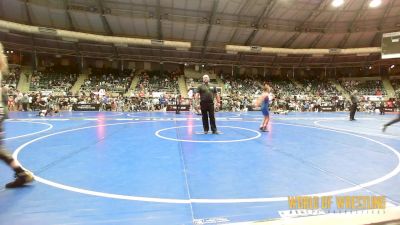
(20, 180)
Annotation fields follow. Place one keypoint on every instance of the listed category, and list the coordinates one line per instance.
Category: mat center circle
(196, 134)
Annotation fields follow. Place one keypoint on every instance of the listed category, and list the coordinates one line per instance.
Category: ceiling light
(375, 3)
(337, 3)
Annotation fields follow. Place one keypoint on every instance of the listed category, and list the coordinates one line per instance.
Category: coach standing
(207, 93)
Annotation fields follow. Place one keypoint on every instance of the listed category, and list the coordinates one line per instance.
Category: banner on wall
(86, 107)
(46, 93)
(328, 108)
(182, 107)
(373, 98)
(389, 109)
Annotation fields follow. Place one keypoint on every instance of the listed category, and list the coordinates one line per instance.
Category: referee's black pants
(353, 109)
(178, 107)
(207, 111)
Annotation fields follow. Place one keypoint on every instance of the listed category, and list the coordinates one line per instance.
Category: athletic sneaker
(20, 180)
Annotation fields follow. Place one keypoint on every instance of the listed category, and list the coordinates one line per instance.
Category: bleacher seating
(111, 80)
(155, 81)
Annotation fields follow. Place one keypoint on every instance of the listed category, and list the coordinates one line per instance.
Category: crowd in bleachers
(318, 87)
(52, 80)
(308, 95)
(44, 91)
(195, 82)
(396, 86)
(156, 89)
(12, 78)
(18, 101)
(239, 92)
(369, 87)
(110, 80)
(39, 101)
(157, 81)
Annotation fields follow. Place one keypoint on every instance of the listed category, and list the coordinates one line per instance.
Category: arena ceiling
(209, 25)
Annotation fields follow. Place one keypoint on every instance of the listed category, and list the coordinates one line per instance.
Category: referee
(207, 93)
(353, 106)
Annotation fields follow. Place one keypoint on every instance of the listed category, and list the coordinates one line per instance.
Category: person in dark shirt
(207, 93)
(21, 176)
(353, 106)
